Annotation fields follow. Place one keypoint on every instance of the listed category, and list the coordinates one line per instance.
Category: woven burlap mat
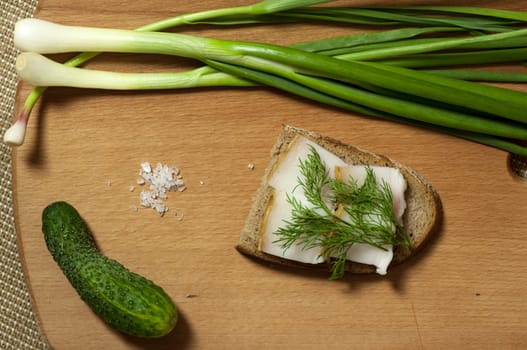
(19, 329)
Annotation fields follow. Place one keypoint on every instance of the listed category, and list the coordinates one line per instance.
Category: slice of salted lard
(283, 179)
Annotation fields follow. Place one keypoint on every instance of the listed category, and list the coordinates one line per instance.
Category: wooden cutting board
(467, 289)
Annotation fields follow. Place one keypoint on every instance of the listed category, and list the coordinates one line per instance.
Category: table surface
(466, 288)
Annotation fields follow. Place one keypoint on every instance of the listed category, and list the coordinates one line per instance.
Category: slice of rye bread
(421, 218)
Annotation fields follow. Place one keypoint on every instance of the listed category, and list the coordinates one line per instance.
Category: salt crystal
(160, 208)
(146, 167)
(160, 180)
(250, 166)
(179, 183)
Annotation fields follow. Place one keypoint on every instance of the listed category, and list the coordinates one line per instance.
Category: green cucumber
(125, 300)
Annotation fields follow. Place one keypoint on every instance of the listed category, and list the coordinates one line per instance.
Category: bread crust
(421, 218)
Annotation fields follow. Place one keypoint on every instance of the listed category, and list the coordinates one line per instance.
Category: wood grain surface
(467, 289)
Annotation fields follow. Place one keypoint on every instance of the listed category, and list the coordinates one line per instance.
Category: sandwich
(329, 206)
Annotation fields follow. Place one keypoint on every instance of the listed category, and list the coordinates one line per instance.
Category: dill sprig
(369, 207)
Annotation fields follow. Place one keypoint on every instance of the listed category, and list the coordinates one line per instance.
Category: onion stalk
(343, 80)
(46, 37)
(208, 76)
(40, 70)
(515, 16)
(246, 68)
(469, 18)
(15, 135)
(481, 75)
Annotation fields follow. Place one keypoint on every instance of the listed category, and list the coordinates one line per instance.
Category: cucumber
(125, 300)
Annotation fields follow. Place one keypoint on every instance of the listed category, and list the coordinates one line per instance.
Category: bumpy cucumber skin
(125, 300)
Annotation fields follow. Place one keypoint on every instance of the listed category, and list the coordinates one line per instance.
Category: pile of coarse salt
(160, 180)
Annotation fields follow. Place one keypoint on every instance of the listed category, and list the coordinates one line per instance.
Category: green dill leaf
(314, 180)
(338, 267)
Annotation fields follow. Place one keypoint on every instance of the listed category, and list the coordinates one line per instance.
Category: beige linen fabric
(19, 329)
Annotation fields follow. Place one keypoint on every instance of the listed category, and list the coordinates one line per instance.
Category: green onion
(15, 136)
(337, 95)
(387, 17)
(365, 41)
(516, 16)
(481, 75)
(380, 106)
(273, 6)
(459, 58)
(437, 99)
(492, 21)
(39, 70)
(45, 37)
(454, 43)
(320, 73)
